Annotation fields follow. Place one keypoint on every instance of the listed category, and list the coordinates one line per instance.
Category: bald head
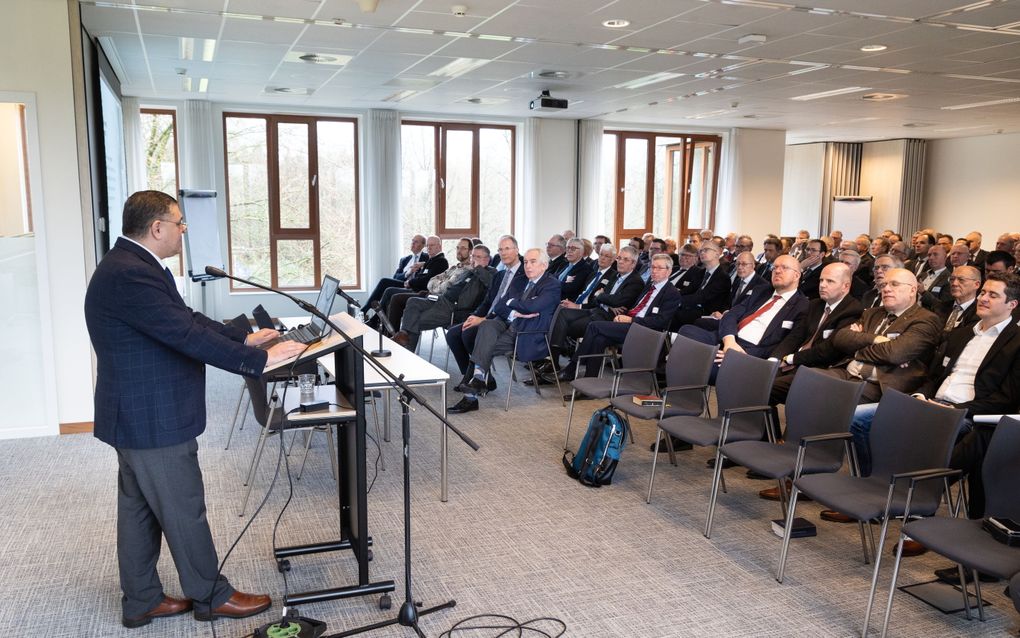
(834, 282)
(785, 274)
(899, 290)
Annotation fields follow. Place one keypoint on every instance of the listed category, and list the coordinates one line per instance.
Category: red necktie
(641, 304)
(757, 313)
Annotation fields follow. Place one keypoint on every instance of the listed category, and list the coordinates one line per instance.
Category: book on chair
(647, 400)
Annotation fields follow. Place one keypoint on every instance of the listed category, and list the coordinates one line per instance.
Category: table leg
(386, 416)
(443, 439)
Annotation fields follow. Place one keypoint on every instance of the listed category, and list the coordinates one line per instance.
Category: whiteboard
(852, 215)
(202, 239)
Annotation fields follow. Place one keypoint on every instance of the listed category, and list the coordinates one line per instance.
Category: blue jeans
(860, 428)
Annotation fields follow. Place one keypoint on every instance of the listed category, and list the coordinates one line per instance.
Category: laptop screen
(325, 301)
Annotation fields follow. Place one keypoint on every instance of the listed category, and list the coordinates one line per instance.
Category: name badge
(604, 282)
(892, 335)
(687, 283)
(425, 271)
(936, 290)
(826, 333)
(787, 325)
(945, 362)
(655, 311)
(467, 279)
(748, 293)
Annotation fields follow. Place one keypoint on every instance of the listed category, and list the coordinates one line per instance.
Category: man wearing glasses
(960, 309)
(711, 294)
(883, 264)
(151, 353)
(811, 267)
(573, 277)
(556, 249)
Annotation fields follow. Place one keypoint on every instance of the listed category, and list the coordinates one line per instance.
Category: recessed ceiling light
(883, 97)
(486, 101)
(873, 48)
(832, 93)
(459, 67)
(974, 105)
(918, 124)
(400, 96)
(616, 23)
(550, 74)
(289, 90)
(646, 80)
(752, 38)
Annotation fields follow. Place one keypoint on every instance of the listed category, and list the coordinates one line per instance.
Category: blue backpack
(601, 447)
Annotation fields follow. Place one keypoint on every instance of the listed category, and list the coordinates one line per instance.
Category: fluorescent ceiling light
(186, 84)
(241, 16)
(459, 67)
(208, 50)
(832, 93)
(187, 49)
(203, 85)
(655, 78)
(707, 114)
(873, 48)
(960, 128)
(974, 105)
(400, 96)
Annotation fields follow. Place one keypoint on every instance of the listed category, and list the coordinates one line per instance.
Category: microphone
(213, 271)
(349, 299)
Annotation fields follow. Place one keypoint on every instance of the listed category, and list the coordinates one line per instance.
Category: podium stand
(353, 497)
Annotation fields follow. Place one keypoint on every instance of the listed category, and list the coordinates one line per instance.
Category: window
(658, 183)
(162, 173)
(457, 180)
(292, 199)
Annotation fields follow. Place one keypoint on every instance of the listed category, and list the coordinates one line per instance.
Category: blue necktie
(566, 271)
(527, 289)
(587, 291)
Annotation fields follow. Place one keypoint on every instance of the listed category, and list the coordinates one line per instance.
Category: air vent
(882, 97)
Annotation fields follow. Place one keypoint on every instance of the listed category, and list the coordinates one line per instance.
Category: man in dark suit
(745, 285)
(621, 288)
(575, 274)
(858, 288)
(556, 248)
(934, 286)
(422, 274)
(531, 303)
(461, 337)
(435, 285)
(654, 309)
(405, 268)
(961, 309)
(810, 341)
(922, 243)
(759, 322)
(977, 254)
(712, 292)
(687, 275)
(815, 257)
(771, 249)
(883, 264)
(151, 352)
(463, 296)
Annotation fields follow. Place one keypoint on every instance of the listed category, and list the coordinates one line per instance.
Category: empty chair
(965, 541)
(641, 349)
(818, 406)
(686, 393)
(512, 360)
(742, 389)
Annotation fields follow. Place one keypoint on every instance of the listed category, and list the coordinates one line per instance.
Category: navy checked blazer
(151, 351)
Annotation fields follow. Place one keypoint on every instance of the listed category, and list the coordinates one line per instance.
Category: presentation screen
(852, 215)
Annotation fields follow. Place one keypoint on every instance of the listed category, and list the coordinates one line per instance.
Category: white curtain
(381, 234)
(589, 175)
(196, 146)
(134, 145)
(526, 227)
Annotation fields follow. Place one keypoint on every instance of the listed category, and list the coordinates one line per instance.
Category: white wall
(38, 32)
(882, 179)
(751, 195)
(803, 175)
(971, 183)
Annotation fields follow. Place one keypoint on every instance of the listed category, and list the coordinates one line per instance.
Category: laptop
(317, 329)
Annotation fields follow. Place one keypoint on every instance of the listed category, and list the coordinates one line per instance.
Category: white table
(417, 373)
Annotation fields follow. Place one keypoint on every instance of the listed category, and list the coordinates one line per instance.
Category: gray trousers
(495, 337)
(160, 494)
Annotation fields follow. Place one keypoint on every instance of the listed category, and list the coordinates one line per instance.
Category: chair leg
(555, 372)
(783, 499)
(655, 457)
(714, 494)
(877, 568)
(791, 514)
(237, 410)
(965, 589)
(892, 590)
(308, 444)
(570, 413)
(534, 377)
(512, 360)
(432, 346)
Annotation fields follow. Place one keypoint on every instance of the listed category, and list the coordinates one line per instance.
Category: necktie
(704, 282)
(619, 281)
(633, 312)
(759, 312)
(818, 330)
(877, 301)
(566, 271)
(675, 279)
(591, 287)
(507, 276)
(954, 317)
(884, 326)
(740, 290)
(527, 289)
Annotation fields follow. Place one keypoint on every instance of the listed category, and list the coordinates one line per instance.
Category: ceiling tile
(282, 8)
(179, 24)
(439, 21)
(339, 37)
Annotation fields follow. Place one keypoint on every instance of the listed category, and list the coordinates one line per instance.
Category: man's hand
(569, 304)
(716, 315)
(416, 266)
(880, 339)
(729, 342)
(856, 327)
(623, 318)
(570, 279)
(472, 321)
(619, 310)
(810, 262)
(283, 351)
(260, 337)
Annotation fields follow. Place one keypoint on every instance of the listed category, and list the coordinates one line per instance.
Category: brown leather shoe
(401, 338)
(772, 494)
(911, 548)
(240, 605)
(836, 517)
(168, 607)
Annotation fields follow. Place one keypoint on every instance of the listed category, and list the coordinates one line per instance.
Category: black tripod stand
(408, 614)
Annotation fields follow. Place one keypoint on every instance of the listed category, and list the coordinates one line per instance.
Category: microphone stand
(409, 613)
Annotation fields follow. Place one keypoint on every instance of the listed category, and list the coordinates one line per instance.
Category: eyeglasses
(894, 284)
(782, 268)
(958, 280)
(654, 267)
(183, 224)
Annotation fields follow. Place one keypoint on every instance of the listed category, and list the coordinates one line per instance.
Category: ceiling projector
(546, 102)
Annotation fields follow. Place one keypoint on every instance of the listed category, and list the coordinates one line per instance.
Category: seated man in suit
(815, 257)
(858, 287)
(435, 285)
(461, 297)
(959, 255)
(771, 249)
(883, 264)
(556, 248)
(604, 297)
(711, 294)
(654, 309)
(934, 286)
(960, 309)
(461, 337)
(999, 261)
(745, 284)
(575, 274)
(687, 273)
(531, 303)
(151, 355)
(423, 273)
(758, 323)
(405, 268)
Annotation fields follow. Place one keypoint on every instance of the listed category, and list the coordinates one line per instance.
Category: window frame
(172, 112)
(277, 232)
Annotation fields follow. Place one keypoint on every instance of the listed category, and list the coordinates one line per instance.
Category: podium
(349, 418)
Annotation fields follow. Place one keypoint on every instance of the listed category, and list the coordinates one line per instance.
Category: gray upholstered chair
(963, 540)
(742, 390)
(512, 361)
(686, 393)
(819, 409)
(641, 349)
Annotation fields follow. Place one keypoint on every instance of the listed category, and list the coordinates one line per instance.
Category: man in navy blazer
(654, 309)
(151, 352)
(406, 267)
(461, 338)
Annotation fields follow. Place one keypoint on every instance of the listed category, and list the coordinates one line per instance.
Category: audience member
(712, 292)
(811, 262)
(934, 287)
(576, 272)
(556, 249)
(405, 267)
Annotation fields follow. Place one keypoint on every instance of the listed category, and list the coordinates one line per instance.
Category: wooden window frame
(439, 145)
(177, 163)
(277, 232)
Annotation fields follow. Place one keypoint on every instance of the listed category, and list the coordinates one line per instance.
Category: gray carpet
(517, 537)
